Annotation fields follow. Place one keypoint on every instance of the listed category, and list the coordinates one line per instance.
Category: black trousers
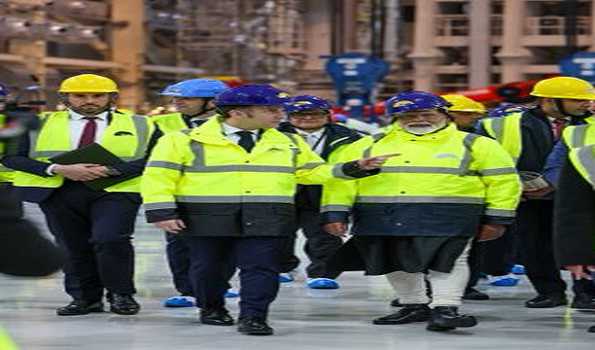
(535, 229)
(72, 285)
(96, 229)
(320, 246)
(258, 259)
(500, 254)
(178, 259)
(476, 261)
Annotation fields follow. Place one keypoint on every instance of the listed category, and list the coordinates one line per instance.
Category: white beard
(422, 130)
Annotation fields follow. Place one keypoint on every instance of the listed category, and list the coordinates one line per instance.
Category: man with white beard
(420, 213)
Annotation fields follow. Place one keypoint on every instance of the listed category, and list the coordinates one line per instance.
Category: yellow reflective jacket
(6, 175)
(507, 131)
(127, 136)
(169, 122)
(442, 183)
(576, 136)
(6, 342)
(202, 166)
(583, 160)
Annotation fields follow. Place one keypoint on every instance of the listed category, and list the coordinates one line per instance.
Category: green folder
(96, 154)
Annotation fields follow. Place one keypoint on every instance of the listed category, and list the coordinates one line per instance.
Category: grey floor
(302, 318)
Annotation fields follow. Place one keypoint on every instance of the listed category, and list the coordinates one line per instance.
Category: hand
(490, 232)
(80, 172)
(372, 163)
(336, 228)
(578, 271)
(171, 226)
(542, 192)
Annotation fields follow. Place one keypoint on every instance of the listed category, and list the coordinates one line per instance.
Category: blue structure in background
(580, 65)
(355, 76)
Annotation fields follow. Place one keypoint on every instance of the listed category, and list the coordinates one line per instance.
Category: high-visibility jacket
(6, 342)
(443, 183)
(583, 160)
(170, 122)
(507, 131)
(6, 175)
(197, 163)
(200, 169)
(127, 136)
(574, 220)
(576, 136)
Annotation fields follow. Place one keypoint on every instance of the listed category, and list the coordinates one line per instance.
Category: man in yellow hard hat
(464, 111)
(529, 137)
(95, 226)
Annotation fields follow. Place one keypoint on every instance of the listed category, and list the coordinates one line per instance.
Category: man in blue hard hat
(227, 187)
(310, 117)
(193, 100)
(420, 214)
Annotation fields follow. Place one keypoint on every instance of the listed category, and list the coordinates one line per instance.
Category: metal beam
(172, 69)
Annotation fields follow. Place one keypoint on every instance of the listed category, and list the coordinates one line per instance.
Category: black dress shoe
(592, 329)
(396, 303)
(545, 301)
(124, 304)
(216, 317)
(474, 294)
(80, 307)
(408, 314)
(254, 326)
(583, 301)
(446, 318)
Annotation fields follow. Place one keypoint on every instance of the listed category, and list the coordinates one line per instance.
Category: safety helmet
(413, 100)
(252, 95)
(306, 103)
(501, 111)
(564, 87)
(460, 103)
(88, 83)
(195, 88)
(3, 91)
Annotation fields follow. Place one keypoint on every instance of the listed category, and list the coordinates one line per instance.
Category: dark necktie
(88, 135)
(557, 127)
(246, 140)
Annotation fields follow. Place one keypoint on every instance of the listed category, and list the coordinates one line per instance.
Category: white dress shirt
(230, 132)
(315, 139)
(77, 125)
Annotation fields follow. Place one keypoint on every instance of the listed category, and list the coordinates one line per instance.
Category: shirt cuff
(50, 169)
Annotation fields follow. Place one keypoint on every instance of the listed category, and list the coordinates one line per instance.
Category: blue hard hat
(501, 111)
(306, 103)
(410, 101)
(252, 95)
(195, 88)
(3, 90)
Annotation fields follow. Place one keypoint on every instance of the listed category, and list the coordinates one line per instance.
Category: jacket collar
(438, 135)
(211, 132)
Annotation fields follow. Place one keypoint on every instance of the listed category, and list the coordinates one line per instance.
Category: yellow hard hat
(564, 87)
(460, 103)
(88, 83)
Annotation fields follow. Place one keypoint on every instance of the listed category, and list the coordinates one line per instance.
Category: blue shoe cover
(179, 301)
(504, 281)
(232, 293)
(518, 270)
(322, 283)
(286, 278)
